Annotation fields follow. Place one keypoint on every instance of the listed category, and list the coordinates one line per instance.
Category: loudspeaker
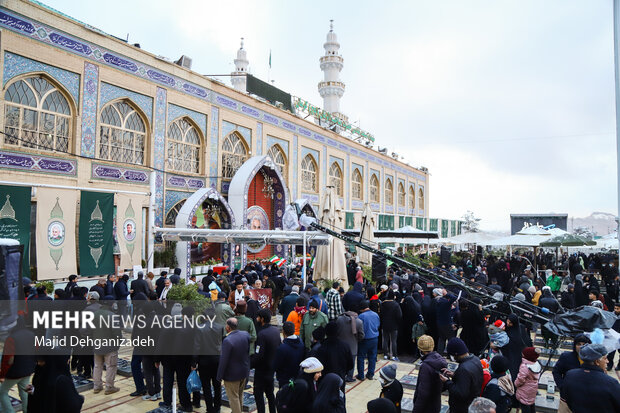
(445, 255)
(379, 267)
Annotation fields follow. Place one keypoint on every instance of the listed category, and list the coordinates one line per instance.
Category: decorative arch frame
(374, 178)
(401, 196)
(311, 159)
(388, 186)
(201, 137)
(357, 174)
(143, 116)
(184, 220)
(283, 152)
(73, 107)
(340, 192)
(221, 152)
(238, 195)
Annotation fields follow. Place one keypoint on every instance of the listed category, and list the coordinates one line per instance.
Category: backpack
(285, 396)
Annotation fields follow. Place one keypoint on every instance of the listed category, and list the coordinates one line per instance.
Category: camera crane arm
(426, 275)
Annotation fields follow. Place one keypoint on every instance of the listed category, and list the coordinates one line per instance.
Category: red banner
(263, 296)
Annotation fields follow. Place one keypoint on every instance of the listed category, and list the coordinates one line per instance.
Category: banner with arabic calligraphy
(95, 233)
(55, 236)
(129, 230)
(15, 219)
(262, 295)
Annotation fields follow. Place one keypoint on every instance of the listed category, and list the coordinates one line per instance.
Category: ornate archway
(258, 196)
(205, 208)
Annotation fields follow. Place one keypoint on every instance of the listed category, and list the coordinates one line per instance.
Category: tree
(471, 222)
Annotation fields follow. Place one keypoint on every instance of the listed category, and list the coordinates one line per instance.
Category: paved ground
(357, 393)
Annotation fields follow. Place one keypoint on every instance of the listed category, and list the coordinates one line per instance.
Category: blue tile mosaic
(110, 92)
(15, 65)
(175, 112)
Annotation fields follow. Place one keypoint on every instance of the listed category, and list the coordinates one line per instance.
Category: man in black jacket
(465, 383)
(234, 364)
(569, 360)
(160, 283)
(72, 283)
(288, 303)
(289, 355)
(427, 397)
(267, 342)
(391, 316)
(588, 388)
(616, 327)
(335, 354)
(121, 292)
(391, 388)
(207, 349)
(175, 278)
(140, 285)
(109, 286)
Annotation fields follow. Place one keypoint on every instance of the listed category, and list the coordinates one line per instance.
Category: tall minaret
(241, 68)
(331, 88)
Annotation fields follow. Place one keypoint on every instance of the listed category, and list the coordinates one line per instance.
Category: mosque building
(88, 111)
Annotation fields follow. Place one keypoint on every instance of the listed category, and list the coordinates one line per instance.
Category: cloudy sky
(510, 104)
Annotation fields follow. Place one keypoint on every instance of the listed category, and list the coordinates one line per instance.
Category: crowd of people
(481, 355)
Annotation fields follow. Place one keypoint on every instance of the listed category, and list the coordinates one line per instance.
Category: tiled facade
(93, 69)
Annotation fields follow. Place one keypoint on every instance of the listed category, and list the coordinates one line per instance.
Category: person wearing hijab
(380, 406)
(473, 321)
(67, 399)
(307, 385)
(512, 350)
(329, 397)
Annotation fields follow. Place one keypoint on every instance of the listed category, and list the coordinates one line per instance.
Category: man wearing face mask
(390, 387)
(589, 388)
(465, 383)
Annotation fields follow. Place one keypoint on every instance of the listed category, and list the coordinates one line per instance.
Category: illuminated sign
(319, 113)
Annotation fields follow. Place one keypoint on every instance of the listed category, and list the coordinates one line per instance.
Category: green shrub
(49, 286)
(166, 257)
(190, 296)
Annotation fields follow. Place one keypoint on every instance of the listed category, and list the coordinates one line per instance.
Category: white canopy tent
(528, 237)
(367, 234)
(330, 260)
(479, 238)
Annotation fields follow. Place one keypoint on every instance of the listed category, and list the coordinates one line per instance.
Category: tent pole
(303, 271)
(151, 225)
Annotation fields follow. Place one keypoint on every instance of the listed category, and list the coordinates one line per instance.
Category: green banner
(95, 233)
(15, 219)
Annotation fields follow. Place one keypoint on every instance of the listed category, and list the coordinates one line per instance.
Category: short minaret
(331, 88)
(241, 68)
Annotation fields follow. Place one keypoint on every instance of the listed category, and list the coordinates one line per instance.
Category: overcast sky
(510, 104)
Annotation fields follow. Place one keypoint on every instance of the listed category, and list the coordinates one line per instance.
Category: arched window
(279, 158)
(234, 154)
(411, 197)
(36, 115)
(374, 189)
(309, 174)
(401, 195)
(421, 198)
(335, 178)
(123, 134)
(357, 185)
(171, 216)
(183, 147)
(389, 192)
